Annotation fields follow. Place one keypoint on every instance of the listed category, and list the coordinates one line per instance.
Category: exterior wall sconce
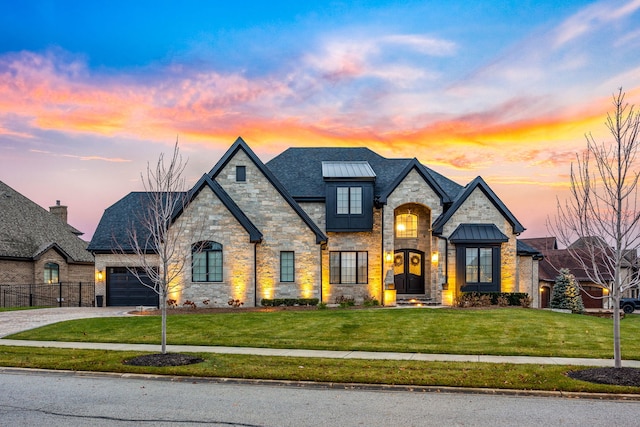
(435, 256)
(388, 256)
(100, 275)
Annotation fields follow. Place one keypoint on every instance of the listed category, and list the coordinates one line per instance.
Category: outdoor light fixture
(388, 256)
(434, 257)
(100, 275)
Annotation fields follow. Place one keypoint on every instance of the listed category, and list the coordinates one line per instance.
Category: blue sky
(90, 93)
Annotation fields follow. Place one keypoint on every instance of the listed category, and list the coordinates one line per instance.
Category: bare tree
(603, 212)
(153, 236)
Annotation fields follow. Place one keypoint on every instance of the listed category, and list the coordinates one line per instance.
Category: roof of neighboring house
(477, 183)
(541, 243)
(27, 230)
(556, 259)
(524, 249)
(300, 171)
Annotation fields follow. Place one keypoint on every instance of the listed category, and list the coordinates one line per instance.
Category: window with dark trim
(348, 267)
(206, 262)
(241, 173)
(51, 273)
(349, 200)
(287, 266)
(406, 226)
(478, 268)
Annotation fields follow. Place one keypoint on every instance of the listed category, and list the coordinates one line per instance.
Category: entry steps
(414, 301)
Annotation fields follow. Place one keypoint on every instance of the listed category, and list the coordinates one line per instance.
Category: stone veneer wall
(104, 261)
(368, 241)
(478, 209)
(414, 190)
(528, 278)
(282, 229)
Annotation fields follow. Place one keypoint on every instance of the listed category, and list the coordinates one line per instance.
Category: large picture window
(349, 200)
(479, 265)
(478, 268)
(348, 267)
(51, 273)
(207, 262)
(287, 266)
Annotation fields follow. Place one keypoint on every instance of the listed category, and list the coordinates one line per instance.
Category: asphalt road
(55, 399)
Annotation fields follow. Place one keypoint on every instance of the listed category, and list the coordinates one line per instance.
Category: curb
(326, 385)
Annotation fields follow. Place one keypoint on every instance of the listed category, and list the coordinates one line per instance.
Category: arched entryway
(412, 240)
(545, 296)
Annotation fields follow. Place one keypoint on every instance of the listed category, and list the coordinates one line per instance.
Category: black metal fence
(79, 294)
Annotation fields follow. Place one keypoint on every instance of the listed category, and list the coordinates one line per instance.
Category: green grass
(19, 308)
(439, 374)
(511, 331)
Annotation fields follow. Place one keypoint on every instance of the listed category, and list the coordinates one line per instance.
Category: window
(406, 226)
(479, 265)
(348, 267)
(349, 200)
(51, 273)
(241, 173)
(287, 266)
(206, 262)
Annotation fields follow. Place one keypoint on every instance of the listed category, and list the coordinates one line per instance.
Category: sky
(91, 94)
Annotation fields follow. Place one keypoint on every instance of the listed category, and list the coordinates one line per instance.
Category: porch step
(414, 301)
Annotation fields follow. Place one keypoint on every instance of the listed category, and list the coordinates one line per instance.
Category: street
(55, 399)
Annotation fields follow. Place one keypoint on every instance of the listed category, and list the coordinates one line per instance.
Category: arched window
(206, 262)
(51, 273)
(406, 226)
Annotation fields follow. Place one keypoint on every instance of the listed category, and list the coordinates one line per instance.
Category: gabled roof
(425, 173)
(254, 234)
(239, 144)
(477, 183)
(477, 233)
(27, 230)
(300, 171)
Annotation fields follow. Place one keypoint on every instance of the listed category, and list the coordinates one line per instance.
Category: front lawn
(508, 331)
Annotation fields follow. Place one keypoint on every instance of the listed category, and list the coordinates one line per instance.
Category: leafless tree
(602, 210)
(153, 236)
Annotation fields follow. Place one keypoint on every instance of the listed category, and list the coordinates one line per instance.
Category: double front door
(408, 271)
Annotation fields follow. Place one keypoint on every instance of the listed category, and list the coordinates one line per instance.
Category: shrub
(322, 306)
(502, 301)
(288, 302)
(566, 293)
(344, 302)
(526, 302)
(484, 299)
(370, 301)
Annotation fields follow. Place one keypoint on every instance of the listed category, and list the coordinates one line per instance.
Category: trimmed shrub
(288, 302)
(484, 299)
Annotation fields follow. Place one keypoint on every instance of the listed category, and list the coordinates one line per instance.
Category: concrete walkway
(16, 321)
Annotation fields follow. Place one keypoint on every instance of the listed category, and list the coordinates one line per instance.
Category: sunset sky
(503, 89)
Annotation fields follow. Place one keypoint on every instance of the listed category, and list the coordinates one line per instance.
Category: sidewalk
(327, 353)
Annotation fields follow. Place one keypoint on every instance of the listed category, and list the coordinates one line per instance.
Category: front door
(408, 271)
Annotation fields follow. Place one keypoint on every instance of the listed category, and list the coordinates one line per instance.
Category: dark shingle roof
(27, 230)
(299, 169)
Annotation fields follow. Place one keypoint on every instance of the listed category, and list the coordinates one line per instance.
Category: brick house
(39, 246)
(328, 223)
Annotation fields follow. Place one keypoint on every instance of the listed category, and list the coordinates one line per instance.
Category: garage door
(124, 289)
(591, 296)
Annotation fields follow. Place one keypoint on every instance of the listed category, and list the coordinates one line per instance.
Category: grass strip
(509, 331)
(445, 374)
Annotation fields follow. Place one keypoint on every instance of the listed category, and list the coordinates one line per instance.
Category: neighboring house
(38, 246)
(328, 223)
(593, 295)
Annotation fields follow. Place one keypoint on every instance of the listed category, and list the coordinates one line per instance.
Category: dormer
(349, 195)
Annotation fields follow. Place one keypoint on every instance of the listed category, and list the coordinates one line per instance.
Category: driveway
(12, 322)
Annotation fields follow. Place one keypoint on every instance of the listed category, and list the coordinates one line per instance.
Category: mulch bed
(167, 359)
(612, 376)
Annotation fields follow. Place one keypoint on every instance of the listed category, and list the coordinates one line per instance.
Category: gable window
(349, 200)
(287, 266)
(206, 262)
(241, 173)
(51, 273)
(348, 267)
(406, 226)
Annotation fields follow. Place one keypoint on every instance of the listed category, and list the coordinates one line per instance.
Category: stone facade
(251, 266)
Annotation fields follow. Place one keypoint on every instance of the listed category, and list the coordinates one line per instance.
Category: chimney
(59, 211)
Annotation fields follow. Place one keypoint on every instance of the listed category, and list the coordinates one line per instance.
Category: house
(593, 295)
(39, 246)
(329, 223)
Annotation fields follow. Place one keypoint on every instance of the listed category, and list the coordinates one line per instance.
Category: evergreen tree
(566, 293)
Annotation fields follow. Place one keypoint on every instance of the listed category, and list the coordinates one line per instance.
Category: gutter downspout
(382, 264)
(255, 274)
